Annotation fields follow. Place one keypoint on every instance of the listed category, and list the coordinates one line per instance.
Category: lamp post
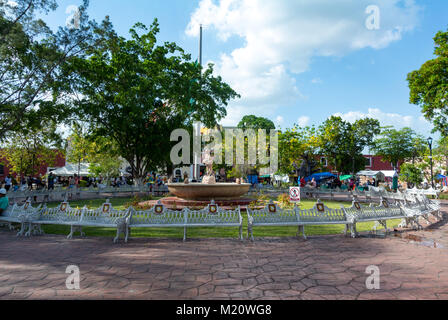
(430, 158)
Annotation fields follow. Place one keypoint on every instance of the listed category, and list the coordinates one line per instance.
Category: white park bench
(320, 214)
(421, 207)
(428, 192)
(104, 217)
(380, 214)
(273, 215)
(22, 214)
(60, 215)
(210, 216)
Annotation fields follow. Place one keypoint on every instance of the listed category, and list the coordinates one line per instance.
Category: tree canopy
(26, 151)
(135, 92)
(343, 142)
(397, 145)
(31, 57)
(254, 122)
(429, 85)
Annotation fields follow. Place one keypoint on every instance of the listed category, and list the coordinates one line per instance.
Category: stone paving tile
(413, 265)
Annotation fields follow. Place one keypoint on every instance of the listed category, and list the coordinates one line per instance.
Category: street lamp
(430, 158)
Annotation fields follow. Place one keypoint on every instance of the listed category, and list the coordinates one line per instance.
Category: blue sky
(298, 61)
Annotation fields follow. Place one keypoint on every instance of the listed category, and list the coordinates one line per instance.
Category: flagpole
(197, 125)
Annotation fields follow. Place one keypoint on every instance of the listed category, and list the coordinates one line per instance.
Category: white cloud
(281, 37)
(303, 121)
(279, 120)
(396, 120)
(317, 81)
(12, 4)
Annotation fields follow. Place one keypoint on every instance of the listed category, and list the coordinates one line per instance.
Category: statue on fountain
(209, 177)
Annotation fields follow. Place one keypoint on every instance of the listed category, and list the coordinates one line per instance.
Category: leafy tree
(429, 85)
(411, 173)
(442, 150)
(343, 142)
(396, 145)
(298, 148)
(80, 146)
(100, 152)
(420, 147)
(254, 122)
(31, 57)
(104, 160)
(135, 92)
(30, 149)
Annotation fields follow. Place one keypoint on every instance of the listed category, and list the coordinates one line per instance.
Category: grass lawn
(210, 232)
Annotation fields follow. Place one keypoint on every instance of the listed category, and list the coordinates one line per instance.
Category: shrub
(82, 183)
(283, 201)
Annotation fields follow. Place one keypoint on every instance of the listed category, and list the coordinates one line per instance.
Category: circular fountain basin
(200, 191)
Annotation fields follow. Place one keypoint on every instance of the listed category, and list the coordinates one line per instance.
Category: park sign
(294, 194)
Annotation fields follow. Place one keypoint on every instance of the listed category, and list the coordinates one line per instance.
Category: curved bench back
(272, 213)
(158, 214)
(211, 214)
(321, 214)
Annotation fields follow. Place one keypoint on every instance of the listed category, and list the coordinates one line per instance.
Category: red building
(374, 163)
(5, 169)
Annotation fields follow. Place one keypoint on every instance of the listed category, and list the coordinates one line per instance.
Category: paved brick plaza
(324, 267)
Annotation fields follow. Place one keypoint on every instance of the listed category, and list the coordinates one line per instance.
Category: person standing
(4, 201)
(50, 184)
(71, 182)
(29, 181)
(8, 183)
(76, 181)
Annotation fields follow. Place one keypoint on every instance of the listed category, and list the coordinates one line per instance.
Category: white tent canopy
(282, 178)
(388, 173)
(72, 169)
(378, 175)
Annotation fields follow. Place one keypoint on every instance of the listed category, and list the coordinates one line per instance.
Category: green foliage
(295, 145)
(31, 57)
(99, 151)
(26, 151)
(411, 174)
(135, 93)
(284, 202)
(80, 147)
(442, 151)
(254, 122)
(429, 85)
(343, 142)
(398, 145)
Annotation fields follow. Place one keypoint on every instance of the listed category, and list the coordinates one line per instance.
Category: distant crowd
(50, 181)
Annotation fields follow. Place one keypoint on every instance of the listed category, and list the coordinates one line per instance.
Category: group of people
(154, 179)
(26, 182)
(337, 183)
(50, 181)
